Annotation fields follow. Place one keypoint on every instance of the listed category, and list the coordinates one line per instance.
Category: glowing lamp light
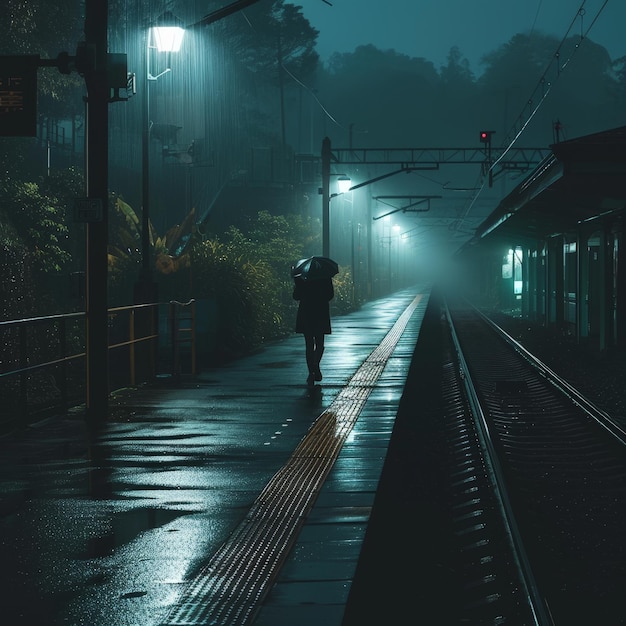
(343, 184)
(168, 33)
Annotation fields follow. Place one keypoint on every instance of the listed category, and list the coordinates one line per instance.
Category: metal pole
(326, 154)
(145, 172)
(146, 288)
(97, 153)
(370, 248)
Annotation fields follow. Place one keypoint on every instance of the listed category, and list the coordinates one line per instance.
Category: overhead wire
(514, 134)
(301, 83)
(314, 95)
(532, 28)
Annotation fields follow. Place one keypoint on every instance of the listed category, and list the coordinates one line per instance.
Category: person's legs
(309, 345)
(319, 351)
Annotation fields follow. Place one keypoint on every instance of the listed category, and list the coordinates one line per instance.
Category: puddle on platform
(126, 526)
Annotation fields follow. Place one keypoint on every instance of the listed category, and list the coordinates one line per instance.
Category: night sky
(429, 28)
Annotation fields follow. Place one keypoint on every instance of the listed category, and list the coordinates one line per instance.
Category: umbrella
(314, 268)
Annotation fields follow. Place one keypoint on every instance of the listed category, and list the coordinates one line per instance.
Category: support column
(97, 155)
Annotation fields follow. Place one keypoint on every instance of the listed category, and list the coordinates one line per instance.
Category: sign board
(18, 96)
(88, 210)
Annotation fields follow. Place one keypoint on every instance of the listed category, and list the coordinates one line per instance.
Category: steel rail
(527, 577)
(602, 418)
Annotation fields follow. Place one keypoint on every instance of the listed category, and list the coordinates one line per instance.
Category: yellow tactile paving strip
(230, 588)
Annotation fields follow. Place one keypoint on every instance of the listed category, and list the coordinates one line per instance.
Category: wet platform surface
(116, 529)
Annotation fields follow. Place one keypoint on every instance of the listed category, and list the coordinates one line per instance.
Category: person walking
(313, 319)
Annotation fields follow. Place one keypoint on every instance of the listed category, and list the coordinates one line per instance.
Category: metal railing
(125, 335)
(32, 349)
(42, 359)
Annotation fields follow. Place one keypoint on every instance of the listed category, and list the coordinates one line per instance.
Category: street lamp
(166, 35)
(343, 184)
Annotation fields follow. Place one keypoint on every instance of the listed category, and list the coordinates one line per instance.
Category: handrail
(22, 367)
(33, 368)
(128, 307)
(43, 318)
(130, 342)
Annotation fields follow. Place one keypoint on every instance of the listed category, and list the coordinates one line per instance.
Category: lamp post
(166, 35)
(344, 184)
(339, 224)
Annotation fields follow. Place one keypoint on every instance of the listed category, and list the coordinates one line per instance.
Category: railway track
(537, 486)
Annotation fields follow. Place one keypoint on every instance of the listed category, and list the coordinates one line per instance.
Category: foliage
(457, 72)
(345, 299)
(169, 252)
(17, 293)
(246, 293)
(402, 101)
(577, 80)
(37, 231)
(65, 184)
(274, 49)
(274, 35)
(27, 26)
(618, 68)
(246, 272)
(124, 250)
(279, 239)
(383, 93)
(26, 30)
(40, 222)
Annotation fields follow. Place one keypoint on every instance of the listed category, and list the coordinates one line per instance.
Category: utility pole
(97, 155)
(326, 154)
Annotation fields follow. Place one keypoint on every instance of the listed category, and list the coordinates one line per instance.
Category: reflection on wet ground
(105, 529)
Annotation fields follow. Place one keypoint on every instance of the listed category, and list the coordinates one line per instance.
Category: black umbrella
(315, 268)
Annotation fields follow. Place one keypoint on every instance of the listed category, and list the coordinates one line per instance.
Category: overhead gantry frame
(413, 159)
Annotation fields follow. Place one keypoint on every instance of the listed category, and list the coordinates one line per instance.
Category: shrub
(246, 293)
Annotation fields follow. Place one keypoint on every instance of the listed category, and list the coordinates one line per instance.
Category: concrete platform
(113, 529)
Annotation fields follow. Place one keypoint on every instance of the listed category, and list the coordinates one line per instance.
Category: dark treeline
(402, 101)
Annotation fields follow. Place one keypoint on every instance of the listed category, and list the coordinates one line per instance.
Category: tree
(574, 76)
(456, 100)
(457, 71)
(36, 224)
(26, 28)
(275, 43)
(619, 71)
(390, 95)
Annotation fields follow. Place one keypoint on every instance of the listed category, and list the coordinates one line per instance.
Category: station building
(553, 251)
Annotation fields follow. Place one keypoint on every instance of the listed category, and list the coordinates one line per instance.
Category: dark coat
(314, 311)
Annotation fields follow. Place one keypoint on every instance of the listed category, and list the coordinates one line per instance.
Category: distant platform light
(343, 184)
